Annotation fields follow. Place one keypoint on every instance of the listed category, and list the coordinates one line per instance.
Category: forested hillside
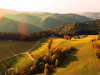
(90, 27)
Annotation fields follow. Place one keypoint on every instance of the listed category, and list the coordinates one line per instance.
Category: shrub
(11, 71)
(67, 37)
(47, 59)
(47, 69)
(94, 45)
(33, 69)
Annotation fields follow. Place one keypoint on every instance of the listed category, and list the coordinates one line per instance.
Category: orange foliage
(94, 45)
(32, 55)
(67, 37)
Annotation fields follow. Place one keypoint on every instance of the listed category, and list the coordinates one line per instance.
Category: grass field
(83, 62)
(8, 48)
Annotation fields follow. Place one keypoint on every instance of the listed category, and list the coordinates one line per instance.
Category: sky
(55, 6)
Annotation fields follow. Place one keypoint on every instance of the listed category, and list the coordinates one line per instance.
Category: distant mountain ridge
(38, 21)
(93, 15)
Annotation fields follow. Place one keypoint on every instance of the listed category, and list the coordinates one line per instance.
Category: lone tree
(67, 37)
(49, 43)
(46, 70)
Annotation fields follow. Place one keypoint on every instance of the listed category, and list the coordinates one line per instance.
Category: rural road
(27, 52)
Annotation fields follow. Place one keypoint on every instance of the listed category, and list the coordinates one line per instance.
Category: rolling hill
(58, 19)
(9, 25)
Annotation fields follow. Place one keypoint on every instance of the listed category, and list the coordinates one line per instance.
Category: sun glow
(56, 6)
(25, 5)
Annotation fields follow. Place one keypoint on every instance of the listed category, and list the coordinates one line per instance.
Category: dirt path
(23, 53)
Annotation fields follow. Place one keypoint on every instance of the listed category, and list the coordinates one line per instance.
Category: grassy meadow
(83, 62)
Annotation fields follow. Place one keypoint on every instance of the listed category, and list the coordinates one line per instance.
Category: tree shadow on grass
(98, 52)
(74, 40)
(67, 60)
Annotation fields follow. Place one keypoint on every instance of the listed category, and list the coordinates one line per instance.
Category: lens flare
(22, 27)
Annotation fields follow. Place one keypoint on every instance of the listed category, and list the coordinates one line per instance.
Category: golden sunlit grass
(16, 62)
(86, 63)
(42, 46)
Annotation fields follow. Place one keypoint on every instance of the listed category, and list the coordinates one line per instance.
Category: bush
(11, 71)
(49, 43)
(47, 59)
(47, 69)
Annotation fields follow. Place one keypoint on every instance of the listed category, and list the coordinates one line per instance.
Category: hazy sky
(57, 6)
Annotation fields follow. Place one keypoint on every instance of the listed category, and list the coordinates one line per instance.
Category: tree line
(82, 28)
(23, 37)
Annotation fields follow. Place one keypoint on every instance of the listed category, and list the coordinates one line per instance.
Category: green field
(83, 62)
(10, 48)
